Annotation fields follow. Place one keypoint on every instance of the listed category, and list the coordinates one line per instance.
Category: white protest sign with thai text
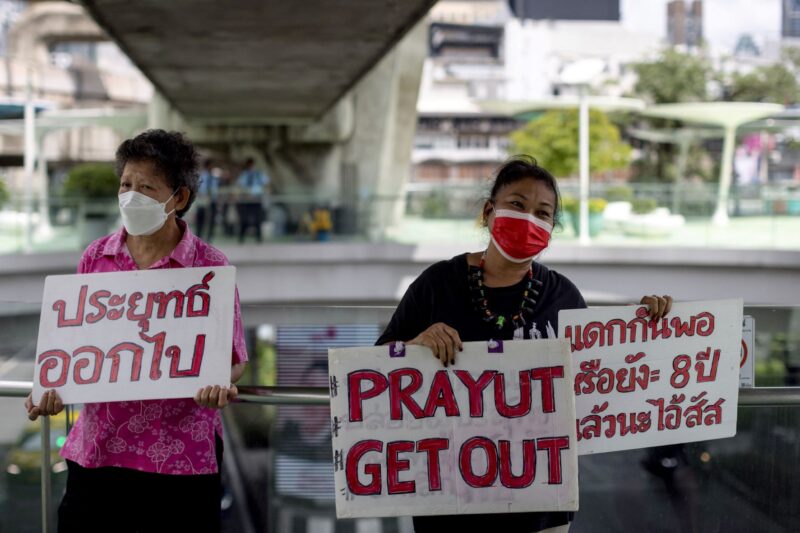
(135, 335)
(493, 433)
(641, 383)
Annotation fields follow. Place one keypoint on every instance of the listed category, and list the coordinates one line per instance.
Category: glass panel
(432, 211)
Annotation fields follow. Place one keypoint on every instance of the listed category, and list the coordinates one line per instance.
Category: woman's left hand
(658, 306)
(216, 397)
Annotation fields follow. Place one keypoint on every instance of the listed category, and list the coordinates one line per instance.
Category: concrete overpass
(321, 94)
(278, 280)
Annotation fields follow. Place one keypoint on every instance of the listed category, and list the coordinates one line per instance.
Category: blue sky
(723, 20)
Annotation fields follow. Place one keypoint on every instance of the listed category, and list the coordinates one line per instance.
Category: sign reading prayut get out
(494, 433)
(135, 335)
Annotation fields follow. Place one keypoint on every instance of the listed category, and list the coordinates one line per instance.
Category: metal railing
(749, 397)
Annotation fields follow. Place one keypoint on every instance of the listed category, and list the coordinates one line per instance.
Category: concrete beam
(378, 274)
(249, 61)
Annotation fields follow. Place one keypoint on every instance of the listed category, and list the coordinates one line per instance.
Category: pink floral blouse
(163, 436)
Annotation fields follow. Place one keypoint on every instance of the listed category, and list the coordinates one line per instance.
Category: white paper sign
(640, 383)
(135, 335)
(747, 367)
(493, 433)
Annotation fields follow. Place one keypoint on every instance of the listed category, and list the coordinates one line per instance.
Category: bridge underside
(251, 61)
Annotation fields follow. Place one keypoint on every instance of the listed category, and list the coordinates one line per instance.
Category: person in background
(252, 184)
(151, 465)
(499, 293)
(207, 199)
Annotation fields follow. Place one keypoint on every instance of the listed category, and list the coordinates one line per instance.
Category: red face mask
(519, 237)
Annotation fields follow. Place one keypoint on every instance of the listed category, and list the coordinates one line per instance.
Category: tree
(4, 194)
(673, 77)
(553, 140)
(92, 180)
(772, 83)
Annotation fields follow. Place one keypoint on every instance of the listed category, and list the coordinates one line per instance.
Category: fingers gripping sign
(658, 306)
(50, 404)
(442, 340)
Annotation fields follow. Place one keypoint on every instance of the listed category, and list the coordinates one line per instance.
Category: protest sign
(136, 335)
(641, 383)
(747, 367)
(493, 433)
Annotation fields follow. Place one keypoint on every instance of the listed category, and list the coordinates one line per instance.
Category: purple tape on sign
(495, 346)
(397, 349)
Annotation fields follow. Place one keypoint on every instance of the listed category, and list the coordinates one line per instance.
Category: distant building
(685, 23)
(566, 9)
(484, 51)
(791, 18)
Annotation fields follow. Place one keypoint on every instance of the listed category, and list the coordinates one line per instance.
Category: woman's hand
(443, 341)
(50, 404)
(216, 397)
(658, 306)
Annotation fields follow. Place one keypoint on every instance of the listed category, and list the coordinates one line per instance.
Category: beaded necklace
(481, 303)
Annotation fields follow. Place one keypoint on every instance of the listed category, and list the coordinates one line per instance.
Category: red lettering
(507, 478)
(475, 388)
(524, 405)
(50, 360)
(546, 375)
(553, 445)
(94, 300)
(82, 363)
(61, 306)
(441, 395)
(433, 446)
(372, 469)
(465, 462)
(680, 375)
(174, 352)
(395, 465)
(356, 396)
(400, 395)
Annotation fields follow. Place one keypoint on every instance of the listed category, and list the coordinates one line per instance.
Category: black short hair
(170, 152)
(521, 167)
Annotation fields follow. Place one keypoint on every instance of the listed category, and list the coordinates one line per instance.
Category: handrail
(751, 397)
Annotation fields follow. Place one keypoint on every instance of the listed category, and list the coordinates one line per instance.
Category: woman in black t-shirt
(500, 293)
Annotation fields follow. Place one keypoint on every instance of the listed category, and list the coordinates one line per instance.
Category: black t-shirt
(441, 294)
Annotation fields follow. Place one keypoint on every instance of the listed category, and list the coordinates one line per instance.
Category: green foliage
(435, 205)
(619, 193)
(570, 204)
(92, 180)
(770, 83)
(553, 140)
(673, 77)
(4, 194)
(597, 205)
(642, 206)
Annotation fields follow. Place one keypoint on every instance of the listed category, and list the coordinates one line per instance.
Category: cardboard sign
(135, 335)
(747, 367)
(641, 383)
(493, 433)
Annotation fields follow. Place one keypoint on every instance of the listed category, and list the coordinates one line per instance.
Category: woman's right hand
(443, 341)
(50, 404)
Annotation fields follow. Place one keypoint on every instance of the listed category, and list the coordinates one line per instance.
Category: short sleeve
(409, 319)
(86, 263)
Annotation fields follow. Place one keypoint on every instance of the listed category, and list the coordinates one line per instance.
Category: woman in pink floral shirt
(149, 465)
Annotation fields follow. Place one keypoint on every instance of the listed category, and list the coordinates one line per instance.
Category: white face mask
(141, 215)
